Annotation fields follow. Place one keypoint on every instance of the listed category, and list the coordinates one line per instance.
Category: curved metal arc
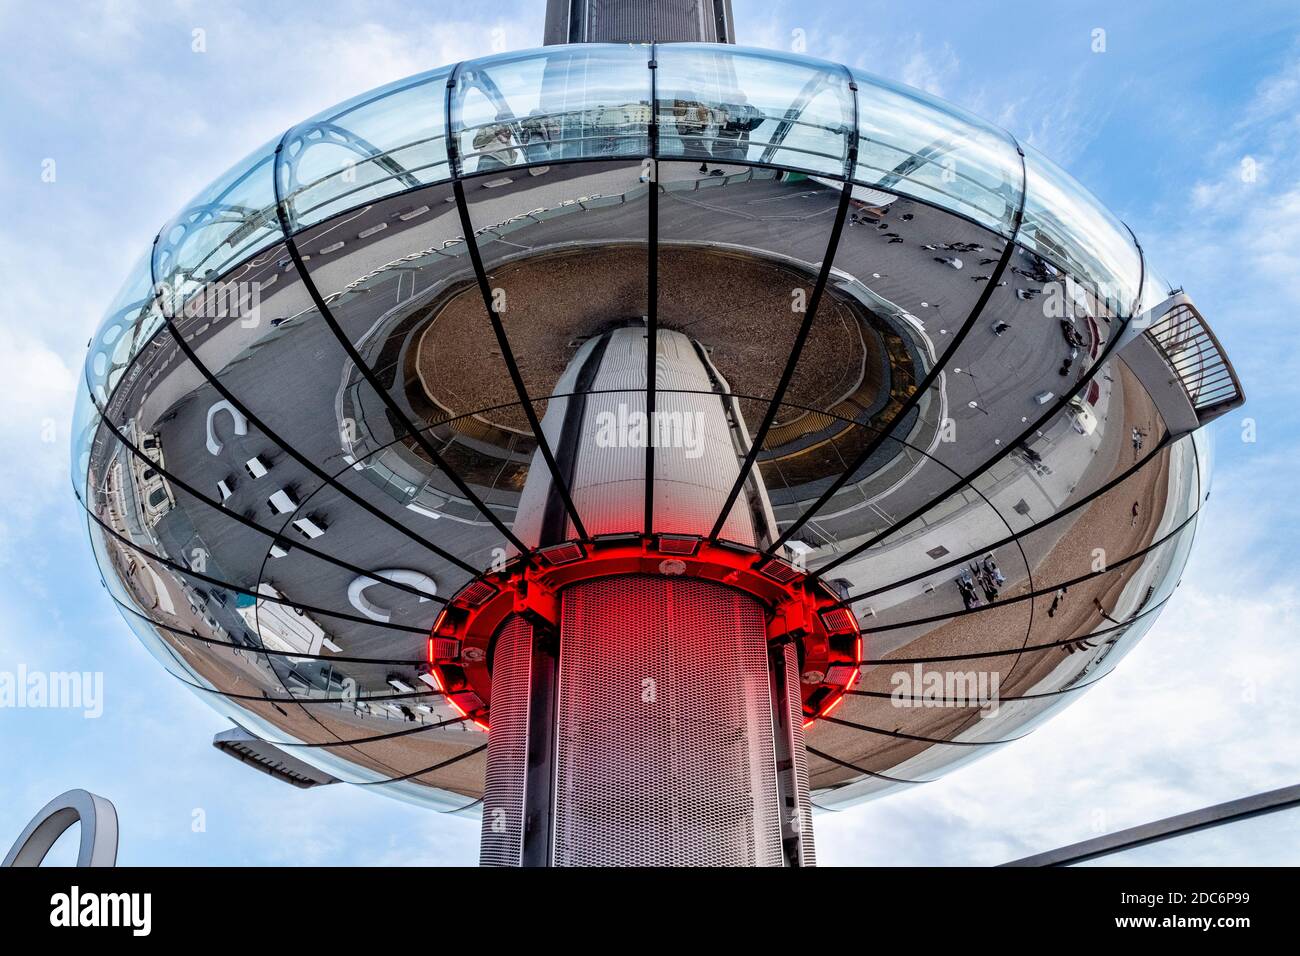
(953, 702)
(419, 773)
(993, 460)
(239, 589)
(852, 766)
(900, 735)
(1023, 649)
(924, 385)
(297, 456)
(423, 728)
(1087, 499)
(652, 295)
(98, 819)
(498, 330)
(801, 337)
(303, 701)
(965, 612)
(248, 522)
(394, 410)
(267, 651)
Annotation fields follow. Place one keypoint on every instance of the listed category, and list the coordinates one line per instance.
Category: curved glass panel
(1155, 289)
(382, 142)
(130, 611)
(559, 104)
(1203, 440)
(960, 707)
(919, 146)
(222, 226)
(128, 323)
(1066, 224)
(85, 425)
(717, 103)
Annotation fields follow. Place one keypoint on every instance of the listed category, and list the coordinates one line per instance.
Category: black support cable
(377, 738)
(993, 460)
(462, 809)
(850, 766)
(559, 485)
(419, 773)
(810, 314)
(300, 458)
(919, 738)
(1165, 441)
(259, 698)
(930, 377)
(394, 410)
(239, 589)
(1022, 649)
(652, 295)
(1024, 436)
(267, 651)
(951, 702)
(248, 522)
(966, 612)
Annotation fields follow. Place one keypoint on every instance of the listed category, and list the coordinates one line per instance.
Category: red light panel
(839, 619)
(678, 544)
(565, 553)
(476, 592)
(779, 571)
(842, 674)
(443, 649)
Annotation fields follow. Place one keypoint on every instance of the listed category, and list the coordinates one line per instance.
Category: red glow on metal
(780, 571)
(678, 544)
(799, 609)
(839, 619)
(439, 621)
(841, 674)
(565, 553)
(476, 592)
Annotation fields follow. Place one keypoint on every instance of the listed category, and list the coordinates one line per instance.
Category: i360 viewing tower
(642, 441)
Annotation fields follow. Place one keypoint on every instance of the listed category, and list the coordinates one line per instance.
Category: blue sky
(1157, 126)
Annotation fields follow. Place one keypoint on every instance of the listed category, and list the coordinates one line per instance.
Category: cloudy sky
(1158, 126)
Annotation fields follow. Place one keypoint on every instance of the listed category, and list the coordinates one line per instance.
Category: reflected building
(643, 444)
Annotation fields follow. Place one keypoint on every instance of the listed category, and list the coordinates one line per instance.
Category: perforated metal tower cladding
(665, 750)
(502, 839)
(807, 846)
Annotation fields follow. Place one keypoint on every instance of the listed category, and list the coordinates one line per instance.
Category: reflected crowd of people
(708, 132)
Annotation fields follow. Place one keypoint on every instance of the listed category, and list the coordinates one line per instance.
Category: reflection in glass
(223, 225)
(386, 141)
(919, 146)
(722, 103)
(560, 104)
(1068, 226)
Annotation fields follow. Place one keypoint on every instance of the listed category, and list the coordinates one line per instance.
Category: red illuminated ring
(799, 609)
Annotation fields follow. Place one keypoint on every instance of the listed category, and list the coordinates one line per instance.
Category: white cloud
(1200, 712)
(930, 69)
(34, 431)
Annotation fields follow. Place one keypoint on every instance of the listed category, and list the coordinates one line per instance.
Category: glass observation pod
(404, 349)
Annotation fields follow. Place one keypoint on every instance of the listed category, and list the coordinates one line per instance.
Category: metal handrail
(1200, 364)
